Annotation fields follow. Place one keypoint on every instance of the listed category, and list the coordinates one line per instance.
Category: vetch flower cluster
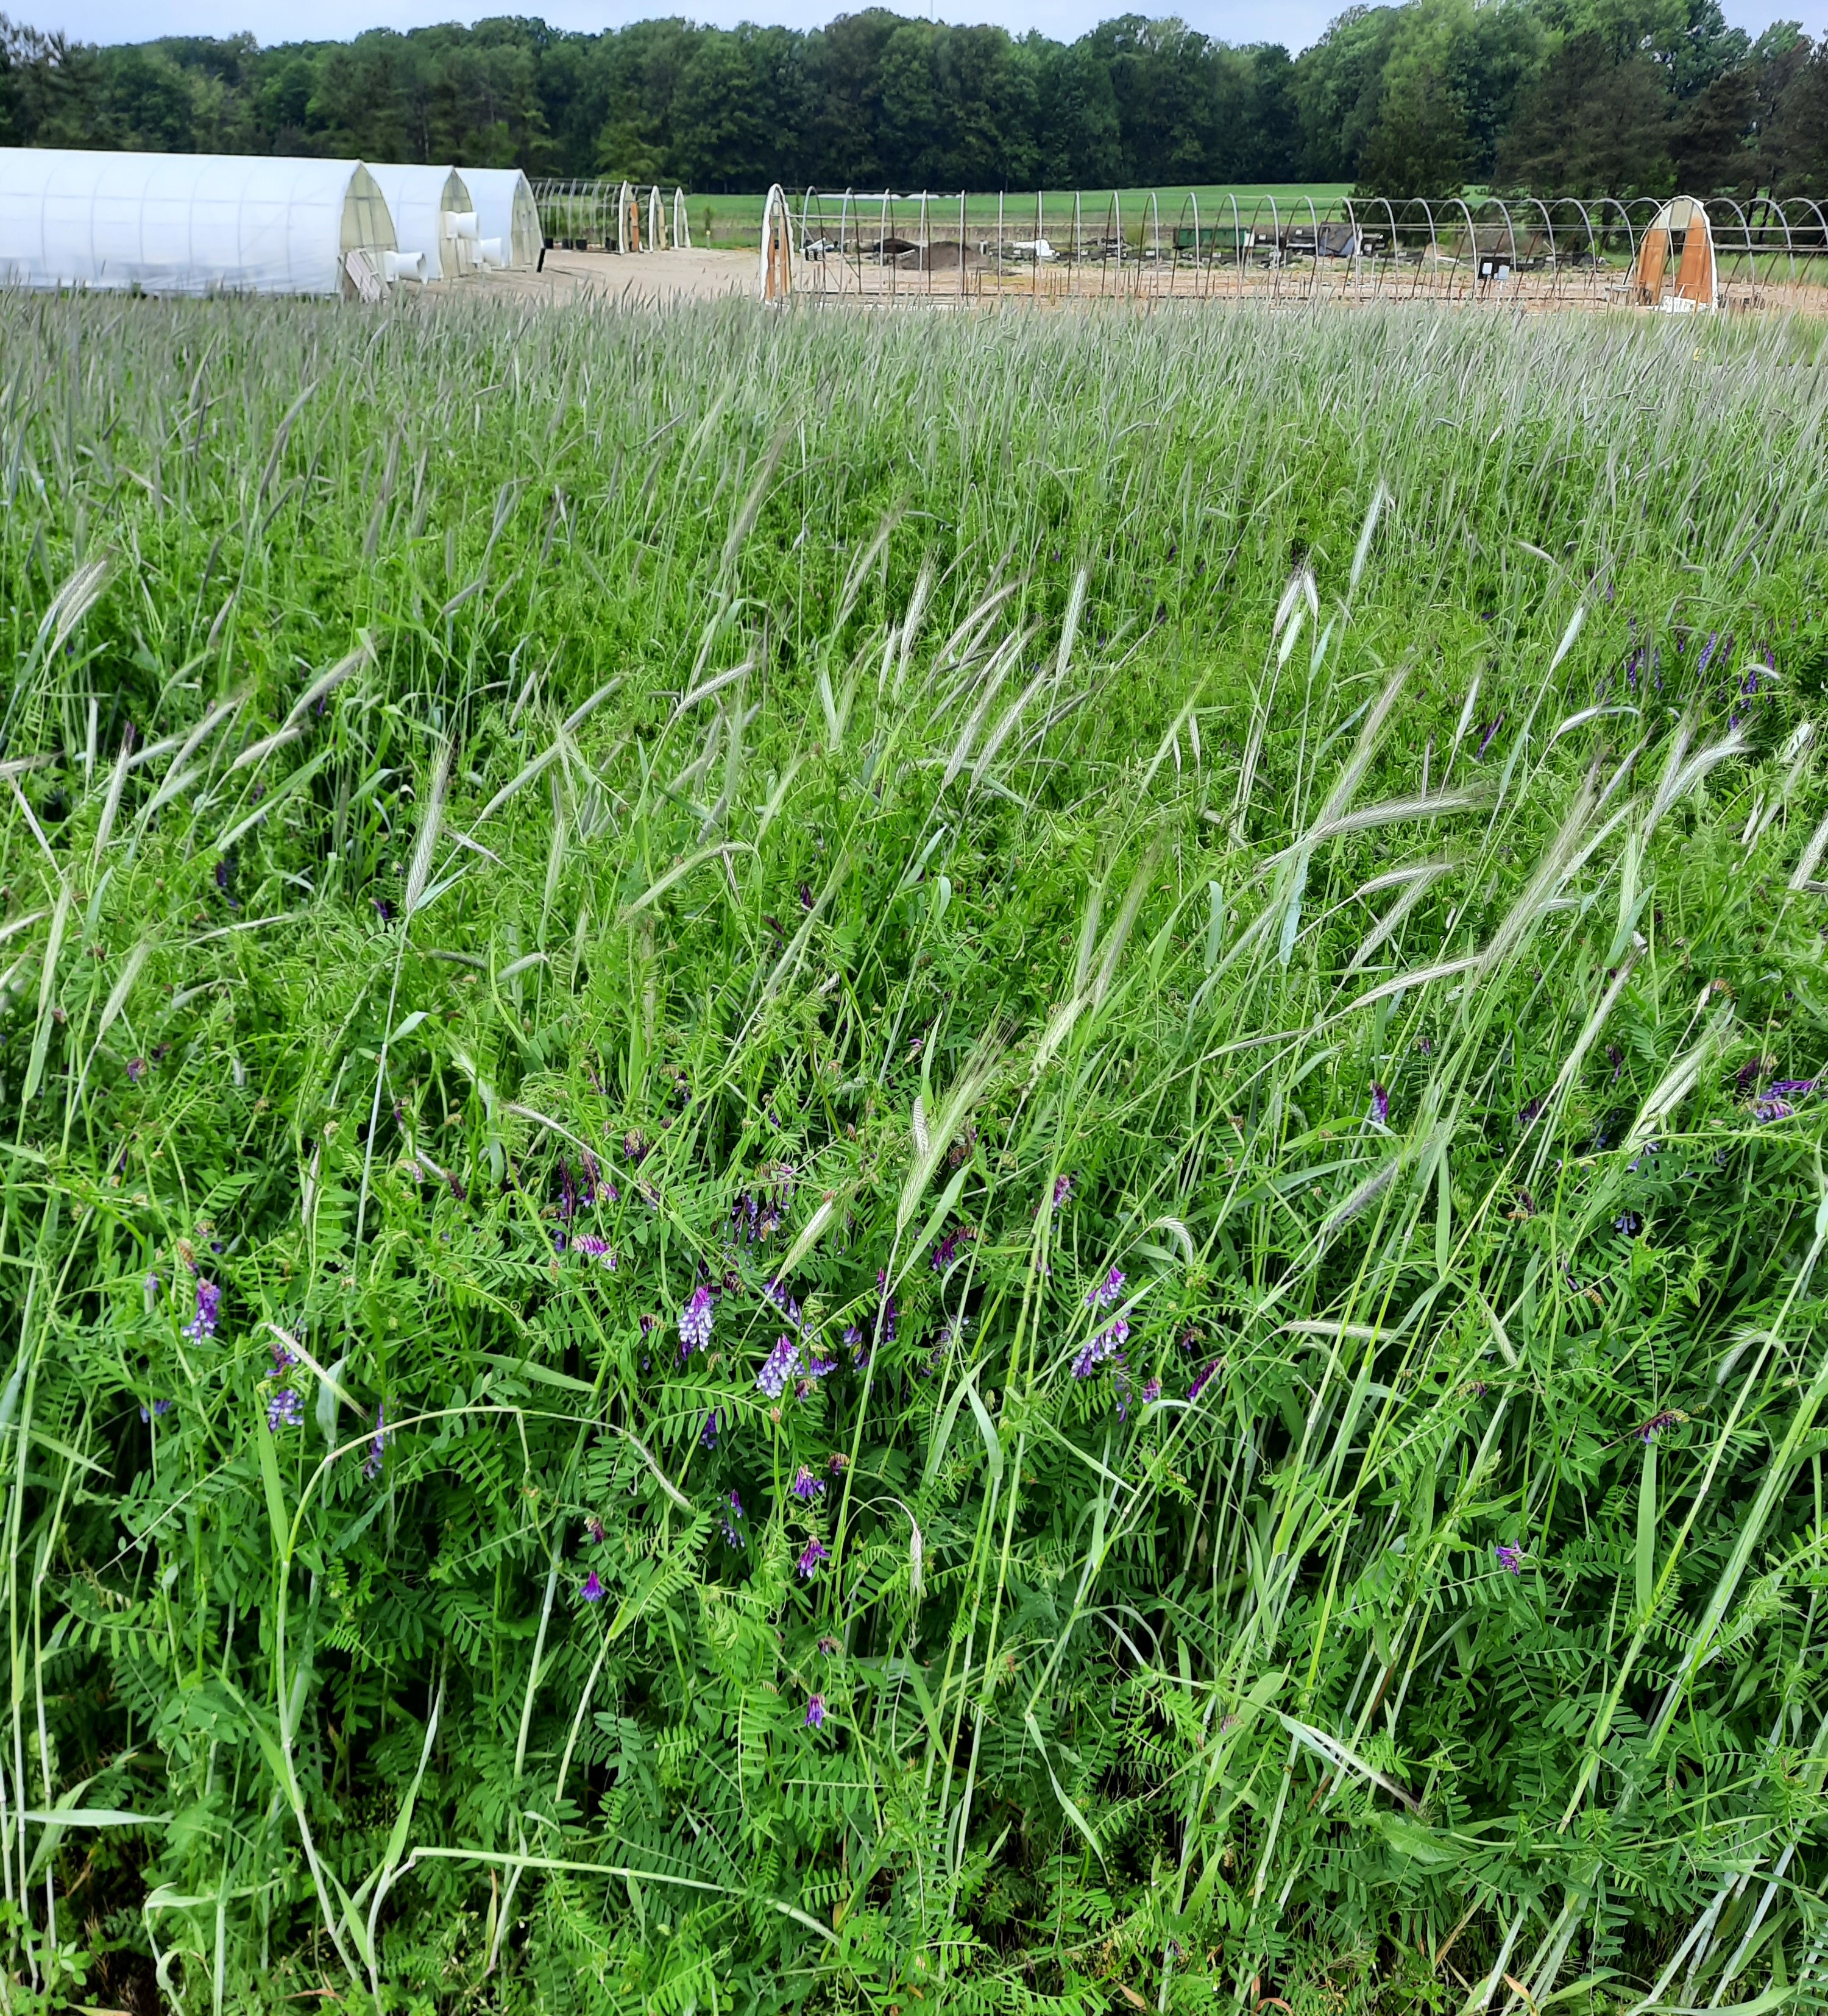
(806, 1487)
(284, 1410)
(780, 1365)
(1108, 1291)
(209, 1309)
(810, 1559)
(377, 1449)
(1510, 1558)
(695, 1321)
(1107, 1343)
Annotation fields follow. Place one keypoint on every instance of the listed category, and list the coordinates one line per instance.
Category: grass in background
(737, 219)
(869, 1164)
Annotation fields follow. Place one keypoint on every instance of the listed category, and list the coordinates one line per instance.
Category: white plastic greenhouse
(507, 217)
(191, 224)
(434, 218)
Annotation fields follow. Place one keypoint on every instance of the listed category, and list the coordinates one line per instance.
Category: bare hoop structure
(1522, 252)
(593, 214)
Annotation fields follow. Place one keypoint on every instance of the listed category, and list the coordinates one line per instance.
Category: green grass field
(737, 219)
(864, 1163)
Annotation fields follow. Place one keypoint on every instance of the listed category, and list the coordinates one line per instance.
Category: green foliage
(1417, 99)
(892, 1163)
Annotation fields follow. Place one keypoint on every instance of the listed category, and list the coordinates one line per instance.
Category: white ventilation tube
(459, 224)
(405, 266)
(489, 251)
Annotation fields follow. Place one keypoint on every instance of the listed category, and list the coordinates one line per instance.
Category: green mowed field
(737, 219)
(871, 1163)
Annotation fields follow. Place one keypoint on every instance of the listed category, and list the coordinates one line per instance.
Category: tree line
(1618, 97)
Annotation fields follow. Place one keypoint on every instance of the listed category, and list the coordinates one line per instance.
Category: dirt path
(641, 278)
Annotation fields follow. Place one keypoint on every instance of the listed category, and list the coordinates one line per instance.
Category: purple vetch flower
(1510, 1558)
(377, 1449)
(209, 1309)
(777, 1294)
(944, 1253)
(1629, 1223)
(889, 1311)
(1528, 1111)
(284, 1357)
(806, 1487)
(1380, 1105)
(593, 1248)
(1062, 1190)
(1707, 651)
(593, 1526)
(592, 1591)
(1667, 1419)
(695, 1321)
(733, 1511)
(135, 1069)
(1151, 1392)
(821, 1368)
(284, 1410)
(1790, 1088)
(713, 1421)
(635, 1147)
(383, 909)
(780, 1365)
(816, 1711)
(810, 1559)
(828, 1646)
(1106, 1344)
(1199, 1385)
(567, 1195)
(1490, 734)
(1768, 1108)
(1107, 1291)
(158, 1408)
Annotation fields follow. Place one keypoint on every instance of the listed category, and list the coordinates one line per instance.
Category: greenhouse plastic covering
(499, 194)
(422, 201)
(190, 224)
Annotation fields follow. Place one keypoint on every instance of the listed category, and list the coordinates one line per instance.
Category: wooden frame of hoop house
(1696, 283)
(776, 275)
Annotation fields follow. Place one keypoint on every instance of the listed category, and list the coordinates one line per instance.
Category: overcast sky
(1296, 22)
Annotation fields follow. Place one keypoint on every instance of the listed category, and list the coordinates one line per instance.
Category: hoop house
(429, 207)
(506, 214)
(190, 224)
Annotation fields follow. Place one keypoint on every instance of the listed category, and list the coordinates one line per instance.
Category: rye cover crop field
(904, 1164)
